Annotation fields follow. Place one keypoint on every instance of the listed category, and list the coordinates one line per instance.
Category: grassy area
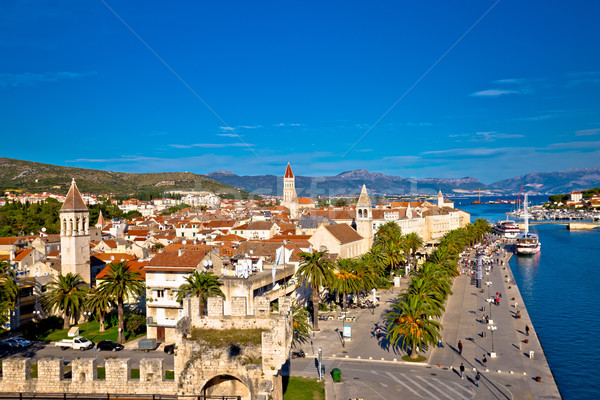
(91, 331)
(418, 359)
(297, 388)
(169, 375)
(229, 337)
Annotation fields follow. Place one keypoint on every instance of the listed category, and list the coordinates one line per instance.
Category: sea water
(561, 289)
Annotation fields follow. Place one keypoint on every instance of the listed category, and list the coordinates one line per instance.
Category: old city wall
(16, 377)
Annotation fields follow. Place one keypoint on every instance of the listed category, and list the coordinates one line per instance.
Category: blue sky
(490, 89)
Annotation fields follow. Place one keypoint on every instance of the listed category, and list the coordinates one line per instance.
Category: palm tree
(409, 323)
(437, 276)
(413, 243)
(9, 291)
(345, 279)
(66, 294)
(99, 303)
(387, 232)
(121, 283)
(425, 290)
(300, 324)
(315, 270)
(202, 285)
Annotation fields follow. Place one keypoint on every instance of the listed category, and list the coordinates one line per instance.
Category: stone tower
(440, 199)
(75, 235)
(364, 217)
(290, 198)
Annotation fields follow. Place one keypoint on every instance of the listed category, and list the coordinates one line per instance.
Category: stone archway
(226, 385)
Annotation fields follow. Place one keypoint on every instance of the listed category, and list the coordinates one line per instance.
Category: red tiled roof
(74, 201)
(288, 172)
(344, 233)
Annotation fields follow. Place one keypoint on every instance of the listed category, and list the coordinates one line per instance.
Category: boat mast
(526, 213)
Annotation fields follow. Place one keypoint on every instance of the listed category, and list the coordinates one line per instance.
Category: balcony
(170, 323)
(162, 302)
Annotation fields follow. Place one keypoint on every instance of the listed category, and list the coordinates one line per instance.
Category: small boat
(527, 243)
(507, 229)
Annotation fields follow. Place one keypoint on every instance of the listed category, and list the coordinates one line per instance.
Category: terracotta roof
(20, 255)
(380, 214)
(73, 201)
(334, 214)
(256, 248)
(219, 224)
(8, 240)
(288, 172)
(260, 225)
(54, 253)
(230, 238)
(343, 233)
(133, 265)
(188, 260)
(305, 200)
(116, 257)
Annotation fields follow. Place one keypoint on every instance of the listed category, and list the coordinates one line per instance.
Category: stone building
(202, 366)
(75, 235)
(290, 198)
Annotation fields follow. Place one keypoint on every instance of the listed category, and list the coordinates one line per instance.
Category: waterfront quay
(372, 369)
(519, 369)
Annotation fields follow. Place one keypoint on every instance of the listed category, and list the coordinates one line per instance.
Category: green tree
(300, 324)
(345, 279)
(9, 291)
(202, 285)
(119, 284)
(413, 243)
(99, 304)
(315, 270)
(408, 323)
(66, 294)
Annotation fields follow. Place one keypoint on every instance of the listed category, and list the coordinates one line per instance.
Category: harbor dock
(519, 369)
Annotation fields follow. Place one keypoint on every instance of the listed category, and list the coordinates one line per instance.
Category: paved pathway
(510, 375)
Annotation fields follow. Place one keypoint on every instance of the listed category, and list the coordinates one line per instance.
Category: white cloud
(209, 145)
(31, 79)
(234, 135)
(588, 132)
(493, 136)
(494, 93)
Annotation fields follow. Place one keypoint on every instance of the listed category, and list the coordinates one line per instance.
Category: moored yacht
(507, 229)
(527, 243)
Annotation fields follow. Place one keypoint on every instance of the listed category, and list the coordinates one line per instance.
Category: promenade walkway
(512, 373)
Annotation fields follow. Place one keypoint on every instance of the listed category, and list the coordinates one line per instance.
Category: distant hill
(37, 177)
(348, 183)
(552, 182)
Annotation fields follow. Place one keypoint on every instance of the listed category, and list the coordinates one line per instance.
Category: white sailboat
(527, 243)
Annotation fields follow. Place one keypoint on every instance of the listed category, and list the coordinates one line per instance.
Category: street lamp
(343, 323)
(492, 328)
(489, 300)
(86, 315)
(36, 314)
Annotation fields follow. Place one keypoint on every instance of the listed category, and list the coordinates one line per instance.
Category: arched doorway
(226, 385)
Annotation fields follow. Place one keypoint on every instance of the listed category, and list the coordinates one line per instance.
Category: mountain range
(38, 177)
(350, 182)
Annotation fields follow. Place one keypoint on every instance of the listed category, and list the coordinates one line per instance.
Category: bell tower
(75, 235)
(290, 198)
(364, 217)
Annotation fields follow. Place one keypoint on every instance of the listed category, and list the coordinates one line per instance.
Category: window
(160, 293)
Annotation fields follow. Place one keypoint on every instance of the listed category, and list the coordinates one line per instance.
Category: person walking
(477, 378)
(484, 361)
(460, 346)
(462, 371)
(527, 330)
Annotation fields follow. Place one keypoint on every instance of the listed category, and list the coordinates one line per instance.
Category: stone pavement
(510, 375)
(464, 321)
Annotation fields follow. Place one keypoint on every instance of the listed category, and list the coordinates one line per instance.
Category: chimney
(12, 254)
(180, 252)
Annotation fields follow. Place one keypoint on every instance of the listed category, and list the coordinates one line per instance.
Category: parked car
(298, 354)
(170, 348)
(109, 345)
(147, 344)
(77, 343)
(16, 342)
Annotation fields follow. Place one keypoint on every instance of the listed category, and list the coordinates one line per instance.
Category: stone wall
(16, 377)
